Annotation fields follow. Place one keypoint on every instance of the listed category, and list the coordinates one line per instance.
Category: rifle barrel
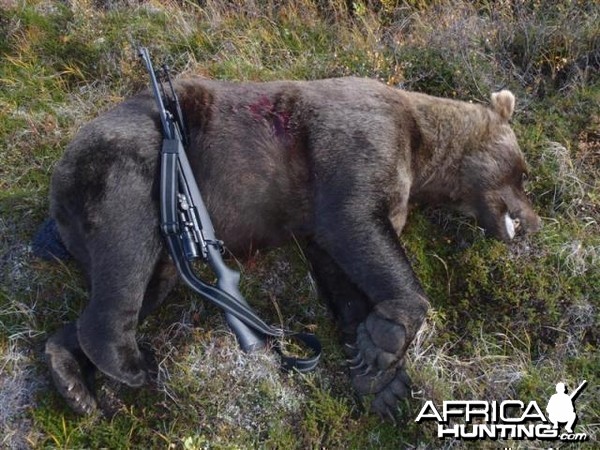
(157, 96)
(579, 388)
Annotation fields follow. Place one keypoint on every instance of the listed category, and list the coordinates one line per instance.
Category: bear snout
(530, 222)
(523, 223)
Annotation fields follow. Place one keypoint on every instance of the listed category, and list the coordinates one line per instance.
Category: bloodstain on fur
(265, 109)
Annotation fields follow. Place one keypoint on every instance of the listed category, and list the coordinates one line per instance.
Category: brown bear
(334, 162)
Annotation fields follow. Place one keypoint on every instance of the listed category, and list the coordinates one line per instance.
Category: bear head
(493, 176)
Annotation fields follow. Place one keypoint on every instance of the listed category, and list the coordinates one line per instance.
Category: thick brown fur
(336, 162)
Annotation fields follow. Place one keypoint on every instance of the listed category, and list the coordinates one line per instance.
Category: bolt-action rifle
(189, 233)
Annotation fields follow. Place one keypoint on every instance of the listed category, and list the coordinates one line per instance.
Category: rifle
(576, 392)
(189, 233)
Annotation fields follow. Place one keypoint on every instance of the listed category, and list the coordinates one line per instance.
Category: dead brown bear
(333, 161)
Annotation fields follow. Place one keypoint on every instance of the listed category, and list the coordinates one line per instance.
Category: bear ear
(503, 103)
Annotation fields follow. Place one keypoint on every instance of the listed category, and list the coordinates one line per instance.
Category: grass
(508, 322)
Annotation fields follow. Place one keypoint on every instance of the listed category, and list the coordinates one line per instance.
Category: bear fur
(333, 162)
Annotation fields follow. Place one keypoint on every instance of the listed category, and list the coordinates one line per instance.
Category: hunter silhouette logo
(508, 419)
(560, 407)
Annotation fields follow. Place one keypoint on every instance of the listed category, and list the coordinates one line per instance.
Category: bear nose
(528, 223)
(536, 224)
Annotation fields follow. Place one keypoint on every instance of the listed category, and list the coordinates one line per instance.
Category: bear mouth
(511, 225)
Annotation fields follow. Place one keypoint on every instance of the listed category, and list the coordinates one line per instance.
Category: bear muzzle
(525, 222)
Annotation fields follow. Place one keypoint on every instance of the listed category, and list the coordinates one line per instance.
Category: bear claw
(358, 362)
(78, 396)
(72, 381)
(385, 403)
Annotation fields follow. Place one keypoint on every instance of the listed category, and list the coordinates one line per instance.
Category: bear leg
(349, 305)
(351, 308)
(107, 327)
(124, 249)
(163, 280)
(362, 242)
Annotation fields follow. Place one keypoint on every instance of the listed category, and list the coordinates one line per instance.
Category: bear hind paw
(73, 380)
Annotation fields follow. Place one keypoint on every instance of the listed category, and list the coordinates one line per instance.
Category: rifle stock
(227, 278)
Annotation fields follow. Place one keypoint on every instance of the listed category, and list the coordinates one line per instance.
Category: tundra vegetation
(507, 322)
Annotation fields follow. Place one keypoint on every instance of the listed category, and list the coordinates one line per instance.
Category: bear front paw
(376, 364)
(380, 344)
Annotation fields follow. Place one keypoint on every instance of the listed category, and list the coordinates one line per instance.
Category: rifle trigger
(217, 243)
